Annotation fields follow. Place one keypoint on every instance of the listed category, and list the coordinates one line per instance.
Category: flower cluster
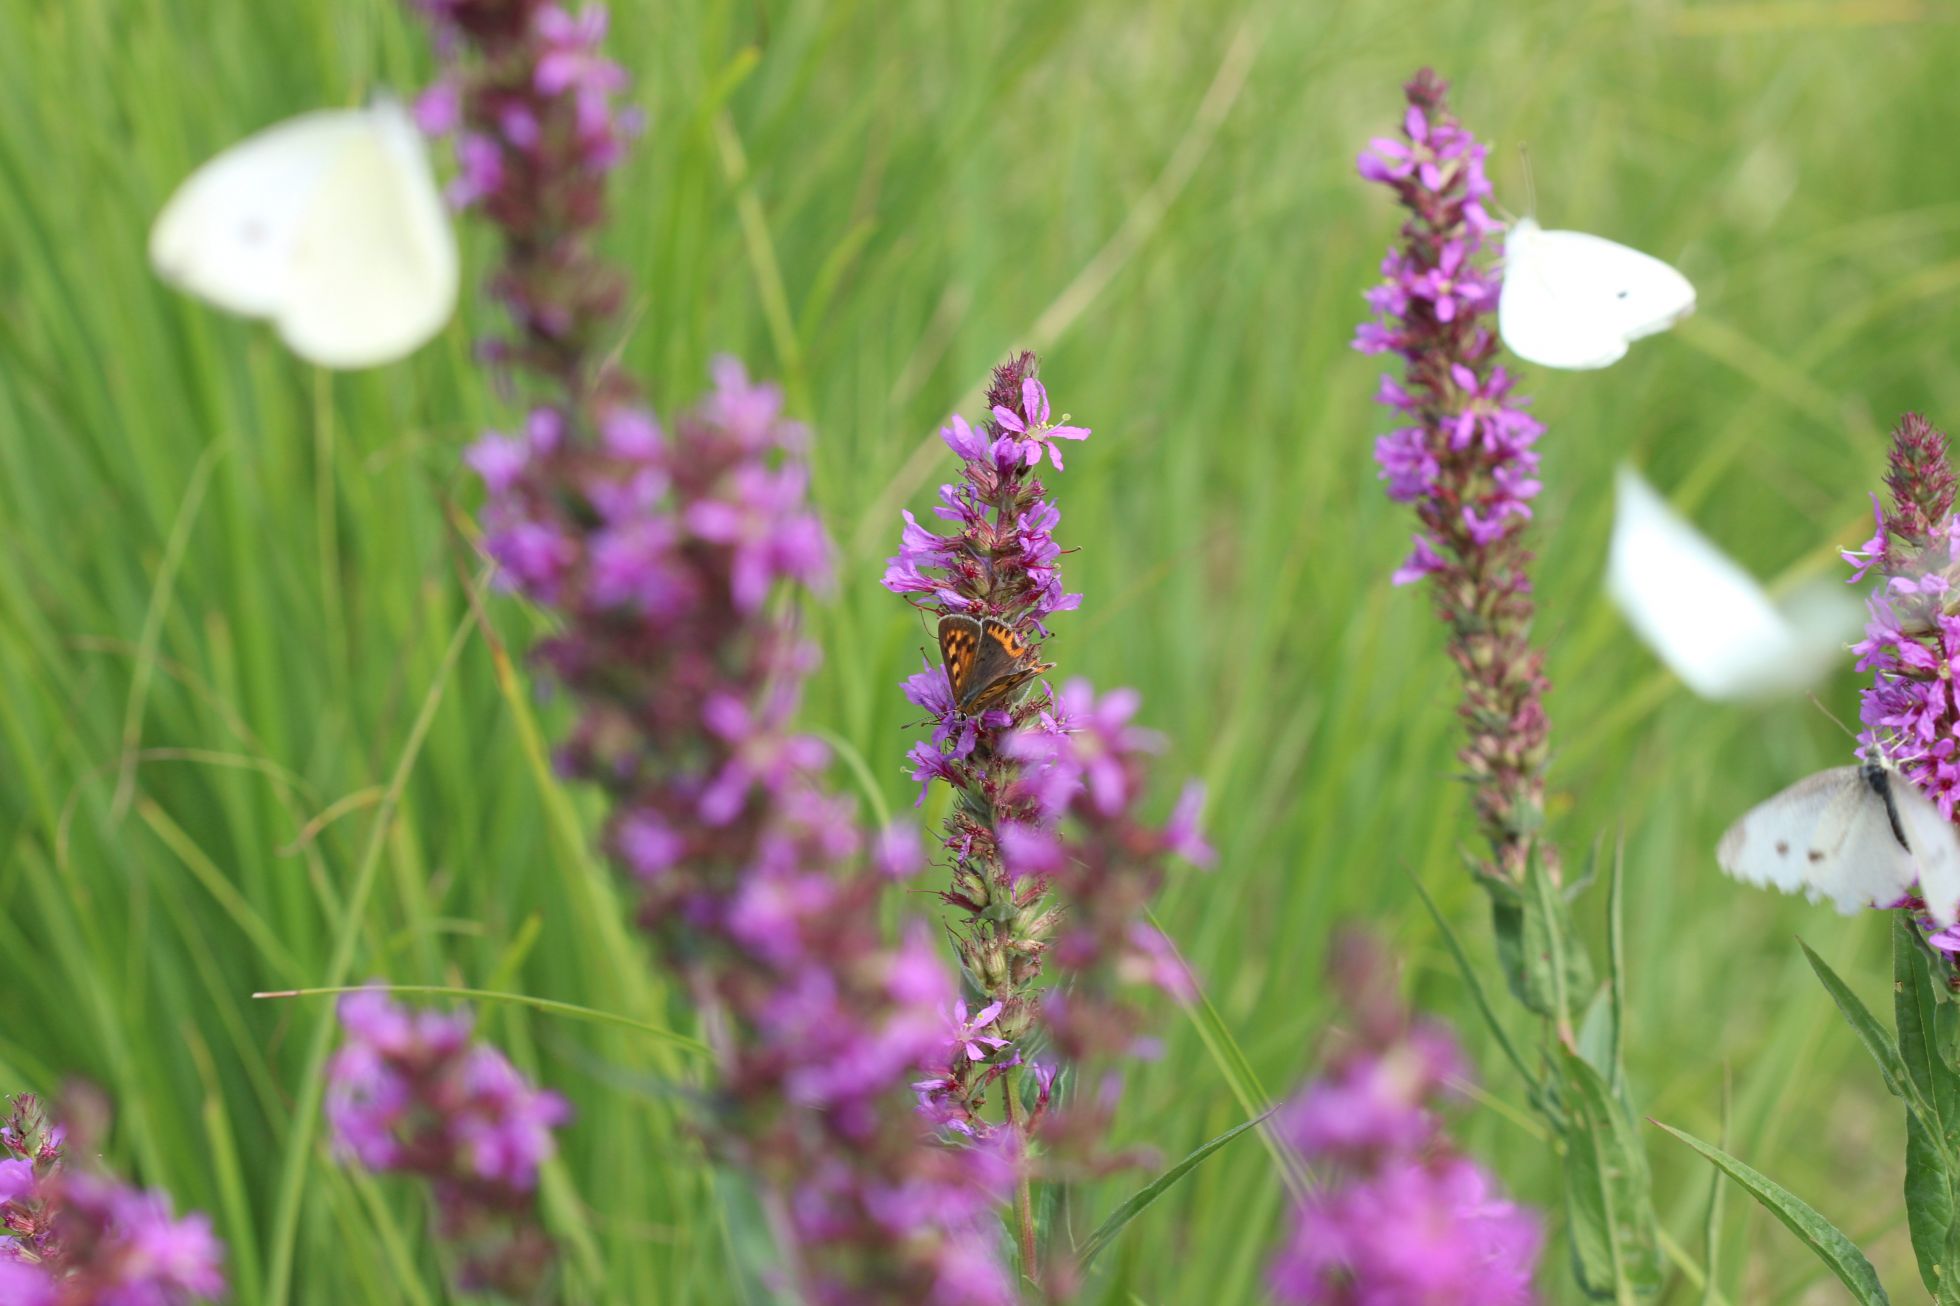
(1909, 712)
(662, 550)
(1052, 860)
(75, 1237)
(409, 1093)
(1404, 1218)
(1462, 455)
(537, 126)
(1912, 636)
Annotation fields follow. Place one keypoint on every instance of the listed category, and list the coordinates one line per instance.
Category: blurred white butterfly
(1707, 618)
(1857, 836)
(1576, 301)
(328, 224)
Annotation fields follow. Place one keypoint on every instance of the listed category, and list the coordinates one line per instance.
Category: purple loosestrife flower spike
(1912, 638)
(663, 550)
(1052, 858)
(74, 1236)
(1400, 1216)
(1462, 455)
(409, 1092)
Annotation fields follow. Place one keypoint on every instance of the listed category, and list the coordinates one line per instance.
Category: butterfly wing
(1828, 836)
(1707, 618)
(228, 232)
(1935, 850)
(959, 649)
(374, 265)
(1572, 300)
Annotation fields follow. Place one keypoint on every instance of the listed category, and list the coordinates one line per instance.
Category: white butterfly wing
(1707, 618)
(1935, 849)
(330, 224)
(374, 271)
(1571, 300)
(1827, 836)
(227, 234)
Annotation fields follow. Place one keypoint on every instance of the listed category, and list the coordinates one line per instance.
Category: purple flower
(498, 459)
(1912, 643)
(966, 1035)
(408, 1091)
(480, 172)
(1461, 455)
(71, 1235)
(26, 1283)
(669, 557)
(1416, 1234)
(1397, 1216)
(1036, 432)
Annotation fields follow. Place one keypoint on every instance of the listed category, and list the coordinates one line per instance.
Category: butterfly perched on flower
(986, 661)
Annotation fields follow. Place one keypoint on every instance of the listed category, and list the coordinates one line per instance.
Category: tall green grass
(234, 587)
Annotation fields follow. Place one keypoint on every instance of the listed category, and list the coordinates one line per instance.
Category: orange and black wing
(959, 649)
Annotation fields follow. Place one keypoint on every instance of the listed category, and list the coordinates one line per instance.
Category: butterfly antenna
(1819, 705)
(1530, 186)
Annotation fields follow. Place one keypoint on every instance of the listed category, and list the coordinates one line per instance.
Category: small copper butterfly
(986, 662)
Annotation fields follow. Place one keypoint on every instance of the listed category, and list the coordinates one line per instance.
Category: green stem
(1023, 1197)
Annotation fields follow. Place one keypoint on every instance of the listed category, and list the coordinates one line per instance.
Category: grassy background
(233, 591)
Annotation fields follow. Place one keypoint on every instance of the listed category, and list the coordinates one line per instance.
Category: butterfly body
(986, 661)
(1858, 836)
(1573, 300)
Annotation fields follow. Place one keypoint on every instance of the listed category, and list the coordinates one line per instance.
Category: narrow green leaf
(1918, 1014)
(1838, 1253)
(550, 1006)
(1553, 961)
(1929, 1206)
(1471, 981)
(1925, 1022)
(1616, 966)
(1711, 1225)
(1871, 1034)
(1163, 1183)
(1595, 1036)
(1608, 1199)
(1238, 1073)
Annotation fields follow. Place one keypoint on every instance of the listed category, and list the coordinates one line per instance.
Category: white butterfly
(1858, 836)
(1707, 618)
(328, 224)
(1576, 301)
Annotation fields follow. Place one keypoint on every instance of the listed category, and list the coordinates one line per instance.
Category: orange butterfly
(986, 662)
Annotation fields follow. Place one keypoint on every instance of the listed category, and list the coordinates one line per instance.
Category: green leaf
(1553, 963)
(1838, 1253)
(1615, 1251)
(1163, 1183)
(1595, 1038)
(1871, 1034)
(1711, 1230)
(1919, 1014)
(1929, 1206)
(550, 1006)
(1472, 982)
(1616, 966)
(1926, 1024)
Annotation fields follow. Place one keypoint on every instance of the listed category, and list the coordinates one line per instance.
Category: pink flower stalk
(1052, 859)
(1462, 456)
(1401, 1218)
(1912, 635)
(76, 1237)
(664, 551)
(409, 1093)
